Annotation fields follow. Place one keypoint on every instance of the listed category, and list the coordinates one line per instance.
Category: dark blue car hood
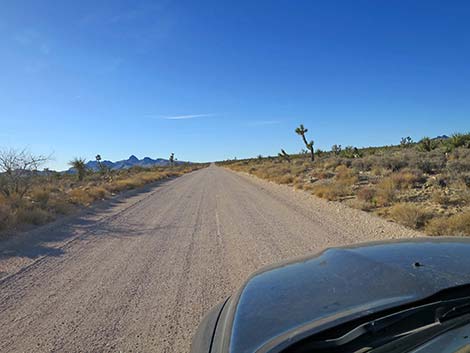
(339, 285)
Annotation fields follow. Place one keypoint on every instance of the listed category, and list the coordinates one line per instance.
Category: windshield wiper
(455, 311)
(432, 317)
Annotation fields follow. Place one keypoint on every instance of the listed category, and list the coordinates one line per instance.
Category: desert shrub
(331, 191)
(406, 178)
(40, 195)
(332, 163)
(458, 224)
(386, 191)
(394, 163)
(366, 194)
(431, 164)
(440, 198)
(457, 166)
(5, 215)
(36, 216)
(60, 206)
(321, 174)
(121, 185)
(97, 192)
(359, 204)
(462, 193)
(345, 175)
(362, 164)
(408, 214)
(17, 201)
(379, 171)
(285, 179)
(465, 178)
(80, 196)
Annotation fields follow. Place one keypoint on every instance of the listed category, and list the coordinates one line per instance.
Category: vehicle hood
(338, 285)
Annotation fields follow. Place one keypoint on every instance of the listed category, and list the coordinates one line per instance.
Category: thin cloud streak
(263, 122)
(185, 117)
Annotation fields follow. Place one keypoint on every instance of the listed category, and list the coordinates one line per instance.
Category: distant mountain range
(132, 161)
(442, 137)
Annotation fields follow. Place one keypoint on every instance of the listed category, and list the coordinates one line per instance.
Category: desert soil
(137, 274)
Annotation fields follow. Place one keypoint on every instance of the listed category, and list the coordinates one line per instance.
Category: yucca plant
(79, 164)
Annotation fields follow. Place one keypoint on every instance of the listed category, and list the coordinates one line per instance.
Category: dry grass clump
(322, 174)
(345, 175)
(406, 178)
(441, 198)
(97, 192)
(80, 197)
(457, 224)
(386, 191)
(285, 179)
(41, 195)
(408, 214)
(60, 206)
(331, 191)
(85, 196)
(367, 194)
(35, 216)
(137, 181)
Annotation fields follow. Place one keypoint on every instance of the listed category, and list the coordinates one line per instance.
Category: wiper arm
(398, 324)
(456, 311)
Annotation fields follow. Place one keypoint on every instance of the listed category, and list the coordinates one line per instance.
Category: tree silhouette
(301, 130)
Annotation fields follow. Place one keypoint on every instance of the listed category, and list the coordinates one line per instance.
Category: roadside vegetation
(32, 197)
(424, 185)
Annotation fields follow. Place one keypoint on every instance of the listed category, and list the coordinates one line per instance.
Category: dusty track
(138, 277)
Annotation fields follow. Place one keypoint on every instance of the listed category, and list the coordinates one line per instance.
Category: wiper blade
(396, 325)
(456, 311)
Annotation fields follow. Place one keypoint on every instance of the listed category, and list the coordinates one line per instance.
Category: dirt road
(138, 275)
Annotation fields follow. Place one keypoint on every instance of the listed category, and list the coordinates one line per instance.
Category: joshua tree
(79, 164)
(427, 145)
(406, 141)
(172, 159)
(100, 165)
(336, 149)
(351, 152)
(284, 155)
(301, 130)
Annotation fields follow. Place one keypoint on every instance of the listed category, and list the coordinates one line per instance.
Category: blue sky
(211, 80)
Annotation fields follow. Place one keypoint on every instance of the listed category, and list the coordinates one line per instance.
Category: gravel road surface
(138, 274)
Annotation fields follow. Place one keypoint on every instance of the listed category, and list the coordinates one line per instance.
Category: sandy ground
(137, 274)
